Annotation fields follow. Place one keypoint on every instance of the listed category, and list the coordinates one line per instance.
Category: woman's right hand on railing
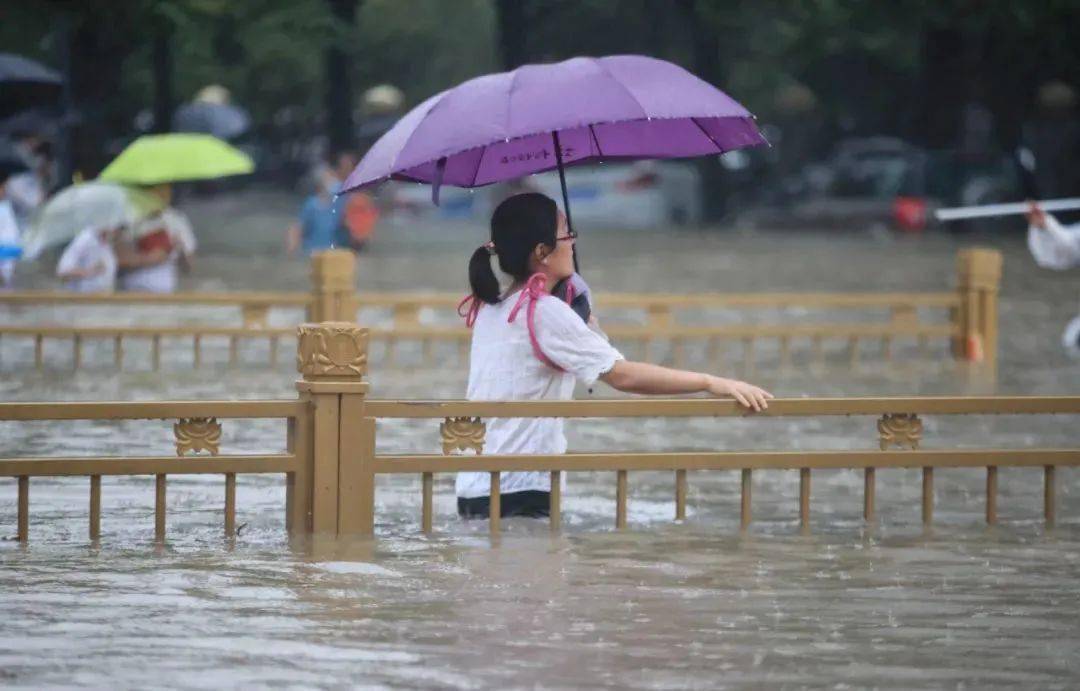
(748, 395)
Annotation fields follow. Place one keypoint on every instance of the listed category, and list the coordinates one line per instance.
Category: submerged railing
(965, 319)
(197, 430)
(331, 459)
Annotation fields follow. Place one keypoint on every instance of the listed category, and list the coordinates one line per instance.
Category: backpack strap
(535, 288)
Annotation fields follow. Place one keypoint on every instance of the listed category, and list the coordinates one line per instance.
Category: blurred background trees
(916, 69)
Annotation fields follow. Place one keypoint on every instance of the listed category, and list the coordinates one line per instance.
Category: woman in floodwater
(529, 345)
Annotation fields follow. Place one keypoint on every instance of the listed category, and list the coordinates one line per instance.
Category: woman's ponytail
(482, 280)
(518, 225)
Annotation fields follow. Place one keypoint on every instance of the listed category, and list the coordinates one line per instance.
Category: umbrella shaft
(565, 196)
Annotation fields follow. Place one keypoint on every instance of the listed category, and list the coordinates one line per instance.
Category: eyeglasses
(570, 235)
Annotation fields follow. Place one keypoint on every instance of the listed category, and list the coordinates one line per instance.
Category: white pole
(963, 212)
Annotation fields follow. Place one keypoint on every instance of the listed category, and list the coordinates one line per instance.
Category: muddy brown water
(659, 606)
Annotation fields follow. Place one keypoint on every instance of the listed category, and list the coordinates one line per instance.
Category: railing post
(333, 286)
(978, 280)
(332, 357)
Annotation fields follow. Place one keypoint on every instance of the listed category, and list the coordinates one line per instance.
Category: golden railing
(898, 425)
(331, 460)
(966, 318)
(197, 439)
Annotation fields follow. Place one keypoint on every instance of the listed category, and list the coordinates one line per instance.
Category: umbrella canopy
(505, 126)
(25, 83)
(89, 204)
(222, 120)
(163, 158)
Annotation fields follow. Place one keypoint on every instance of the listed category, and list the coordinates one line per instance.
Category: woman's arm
(644, 378)
(76, 273)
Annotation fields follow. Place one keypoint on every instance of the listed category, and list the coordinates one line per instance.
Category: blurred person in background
(327, 220)
(319, 226)
(9, 235)
(30, 189)
(1057, 247)
(88, 265)
(164, 247)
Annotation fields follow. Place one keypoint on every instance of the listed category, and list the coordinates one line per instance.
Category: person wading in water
(529, 345)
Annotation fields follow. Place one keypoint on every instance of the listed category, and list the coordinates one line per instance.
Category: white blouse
(502, 366)
(1056, 246)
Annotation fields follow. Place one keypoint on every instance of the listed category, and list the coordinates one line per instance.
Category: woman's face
(560, 263)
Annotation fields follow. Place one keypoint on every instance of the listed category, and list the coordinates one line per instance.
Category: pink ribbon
(534, 289)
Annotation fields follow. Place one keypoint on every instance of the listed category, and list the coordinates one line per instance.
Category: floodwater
(659, 606)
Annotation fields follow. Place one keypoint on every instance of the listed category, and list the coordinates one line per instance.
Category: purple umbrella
(544, 117)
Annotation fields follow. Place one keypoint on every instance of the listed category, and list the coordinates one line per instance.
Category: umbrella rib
(719, 148)
(479, 164)
(596, 140)
(622, 86)
(434, 105)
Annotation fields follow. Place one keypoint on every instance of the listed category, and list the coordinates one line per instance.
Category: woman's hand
(1036, 216)
(748, 395)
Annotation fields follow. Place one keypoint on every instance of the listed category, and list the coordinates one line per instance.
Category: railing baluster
(804, 498)
(230, 506)
(494, 504)
(886, 347)
(118, 351)
(928, 495)
(991, 494)
(620, 499)
(853, 351)
(556, 501)
(678, 351)
(159, 508)
(76, 351)
(747, 482)
(748, 355)
(680, 495)
(233, 351)
(23, 520)
(1049, 495)
(712, 353)
(785, 352)
(155, 351)
(95, 507)
(389, 357)
(869, 491)
(39, 356)
(196, 347)
(428, 480)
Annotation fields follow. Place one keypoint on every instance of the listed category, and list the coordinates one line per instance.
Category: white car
(645, 194)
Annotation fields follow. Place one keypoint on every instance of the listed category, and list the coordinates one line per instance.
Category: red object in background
(909, 213)
(641, 181)
(361, 215)
(157, 240)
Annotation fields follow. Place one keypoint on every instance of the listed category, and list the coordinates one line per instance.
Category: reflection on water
(661, 605)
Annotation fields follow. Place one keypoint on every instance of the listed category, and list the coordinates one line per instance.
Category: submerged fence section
(197, 438)
(331, 459)
(862, 325)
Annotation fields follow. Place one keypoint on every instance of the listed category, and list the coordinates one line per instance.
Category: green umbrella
(87, 205)
(163, 158)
